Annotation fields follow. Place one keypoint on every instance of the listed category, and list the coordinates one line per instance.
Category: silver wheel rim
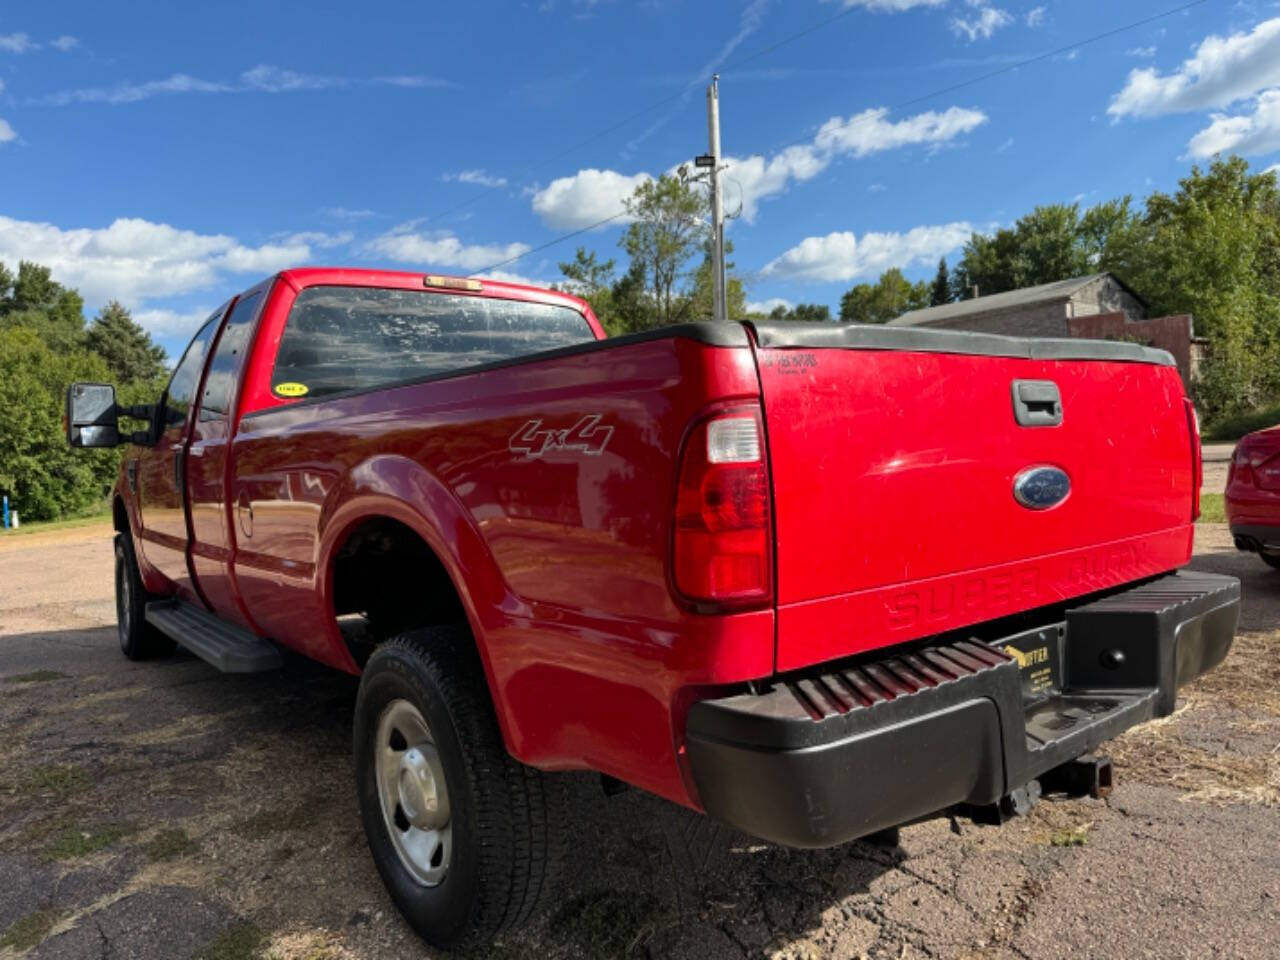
(412, 793)
(124, 602)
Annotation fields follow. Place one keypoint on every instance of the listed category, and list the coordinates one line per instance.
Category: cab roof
(301, 277)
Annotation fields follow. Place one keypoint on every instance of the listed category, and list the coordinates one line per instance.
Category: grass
(242, 941)
(37, 676)
(1075, 837)
(1213, 508)
(170, 845)
(56, 778)
(1233, 428)
(72, 843)
(27, 932)
(98, 515)
(610, 924)
(266, 823)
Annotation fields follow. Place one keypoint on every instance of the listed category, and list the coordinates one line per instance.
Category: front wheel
(138, 639)
(1271, 560)
(467, 840)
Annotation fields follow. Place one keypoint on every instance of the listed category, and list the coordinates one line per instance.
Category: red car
(1253, 495)
(816, 580)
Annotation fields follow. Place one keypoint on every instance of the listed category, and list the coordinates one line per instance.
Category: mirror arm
(141, 411)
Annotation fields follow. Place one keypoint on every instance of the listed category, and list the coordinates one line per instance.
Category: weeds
(29, 931)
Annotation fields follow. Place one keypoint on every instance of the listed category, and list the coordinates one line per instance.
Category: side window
(227, 358)
(186, 377)
(355, 338)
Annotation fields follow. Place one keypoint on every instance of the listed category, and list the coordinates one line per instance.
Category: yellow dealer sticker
(291, 389)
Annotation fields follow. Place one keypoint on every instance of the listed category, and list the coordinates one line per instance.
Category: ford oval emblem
(1039, 488)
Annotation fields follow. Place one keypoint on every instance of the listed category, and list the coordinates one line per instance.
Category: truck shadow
(249, 778)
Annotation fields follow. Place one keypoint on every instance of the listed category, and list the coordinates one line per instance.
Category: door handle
(1036, 403)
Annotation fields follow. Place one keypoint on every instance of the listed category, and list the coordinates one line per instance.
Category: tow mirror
(93, 420)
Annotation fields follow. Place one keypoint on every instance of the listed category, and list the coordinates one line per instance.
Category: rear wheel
(467, 840)
(138, 639)
(1271, 560)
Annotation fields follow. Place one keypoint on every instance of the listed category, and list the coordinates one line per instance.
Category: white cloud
(1142, 52)
(981, 27)
(347, 213)
(841, 257)
(503, 276)
(442, 249)
(768, 306)
(270, 79)
(1222, 71)
(477, 177)
(133, 92)
(1273, 169)
(261, 79)
(893, 6)
(134, 260)
(65, 43)
(1250, 134)
(590, 196)
(414, 82)
(1035, 17)
(162, 322)
(587, 197)
(17, 43)
(324, 241)
(876, 188)
(869, 132)
(7, 133)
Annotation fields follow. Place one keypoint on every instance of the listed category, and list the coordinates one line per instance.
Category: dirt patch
(165, 812)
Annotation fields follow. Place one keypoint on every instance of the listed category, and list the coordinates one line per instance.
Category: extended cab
(816, 580)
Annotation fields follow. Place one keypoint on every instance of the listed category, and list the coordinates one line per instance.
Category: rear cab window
(339, 339)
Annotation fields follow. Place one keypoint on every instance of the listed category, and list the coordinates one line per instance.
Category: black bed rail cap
(857, 336)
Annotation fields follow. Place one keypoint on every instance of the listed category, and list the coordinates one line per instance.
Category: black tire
(1271, 560)
(138, 639)
(506, 820)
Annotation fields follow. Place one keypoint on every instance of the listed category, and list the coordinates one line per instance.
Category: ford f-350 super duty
(816, 580)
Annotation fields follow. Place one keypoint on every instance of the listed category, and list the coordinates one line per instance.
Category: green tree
(803, 313)
(588, 278)
(125, 346)
(889, 297)
(668, 229)
(43, 477)
(32, 299)
(702, 296)
(630, 308)
(941, 291)
(1212, 249)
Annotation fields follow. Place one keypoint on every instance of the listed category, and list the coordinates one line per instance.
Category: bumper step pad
(847, 749)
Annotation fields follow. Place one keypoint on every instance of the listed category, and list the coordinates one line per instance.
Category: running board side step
(229, 648)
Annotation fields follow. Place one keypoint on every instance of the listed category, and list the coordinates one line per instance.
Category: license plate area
(1039, 653)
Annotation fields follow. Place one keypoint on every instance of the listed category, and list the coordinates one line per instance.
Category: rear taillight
(722, 548)
(1197, 466)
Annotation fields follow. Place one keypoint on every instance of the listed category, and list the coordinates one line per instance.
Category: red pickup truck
(815, 580)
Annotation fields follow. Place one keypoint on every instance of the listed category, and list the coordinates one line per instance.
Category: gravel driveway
(165, 811)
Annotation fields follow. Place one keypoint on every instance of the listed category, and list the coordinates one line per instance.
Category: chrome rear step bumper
(845, 750)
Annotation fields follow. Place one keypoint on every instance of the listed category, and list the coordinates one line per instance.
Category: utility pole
(721, 302)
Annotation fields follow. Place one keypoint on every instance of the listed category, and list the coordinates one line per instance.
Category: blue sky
(169, 155)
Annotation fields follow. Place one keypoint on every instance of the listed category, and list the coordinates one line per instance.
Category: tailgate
(894, 457)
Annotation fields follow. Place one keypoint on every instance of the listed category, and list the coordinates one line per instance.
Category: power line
(645, 111)
(549, 243)
(1009, 68)
(893, 109)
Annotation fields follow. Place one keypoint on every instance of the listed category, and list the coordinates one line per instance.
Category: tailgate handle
(1036, 403)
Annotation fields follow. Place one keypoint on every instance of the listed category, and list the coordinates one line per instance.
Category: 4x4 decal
(533, 440)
